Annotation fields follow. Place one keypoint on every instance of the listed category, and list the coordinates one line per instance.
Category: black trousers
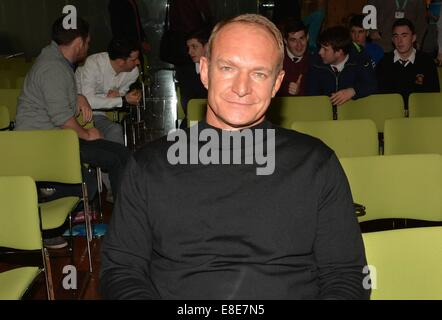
(111, 157)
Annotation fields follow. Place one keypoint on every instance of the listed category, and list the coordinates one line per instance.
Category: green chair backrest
(8, 98)
(45, 155)
(407, 263)
(413, 135)
(283, 111)
(179, 108)
(5, 83)
(402, 186)
(196, 110)
(4, 118)
(348, 138)
(427, 104)
(378, 107)
(19, 219)
(439, 72)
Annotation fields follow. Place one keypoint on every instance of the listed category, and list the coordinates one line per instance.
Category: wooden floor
(87, 283)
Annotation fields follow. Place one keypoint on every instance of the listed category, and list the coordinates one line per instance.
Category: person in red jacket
(296, 59)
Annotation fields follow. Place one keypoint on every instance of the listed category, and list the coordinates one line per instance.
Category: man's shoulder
(424, 58)
(97, 58)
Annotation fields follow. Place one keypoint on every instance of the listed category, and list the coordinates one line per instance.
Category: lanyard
(404, 4)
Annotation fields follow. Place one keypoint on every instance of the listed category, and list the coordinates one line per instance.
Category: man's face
(131, 62)
(403, 39)
(83, 48)
(358, 35)
(195, 49)
(297, 43)
(330, 56)
(241, 76)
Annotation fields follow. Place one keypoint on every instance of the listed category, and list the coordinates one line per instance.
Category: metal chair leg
(87, 221)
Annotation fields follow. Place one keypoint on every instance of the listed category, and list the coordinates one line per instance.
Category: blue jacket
(358, 74)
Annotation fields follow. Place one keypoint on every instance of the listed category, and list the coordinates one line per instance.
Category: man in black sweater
(406, 70)
(189, 224)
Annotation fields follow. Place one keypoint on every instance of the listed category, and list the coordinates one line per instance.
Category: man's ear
(414, 38)
(278, 82)
(204, 71)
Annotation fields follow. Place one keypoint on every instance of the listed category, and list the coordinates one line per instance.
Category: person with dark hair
(406, 70)
(105, 80)
(187, 17)
(231, 231)
(341, 73)
(361, 42)
(388, 10)
(296, 59)
(192, 87)
(126, 24)
(50, 100)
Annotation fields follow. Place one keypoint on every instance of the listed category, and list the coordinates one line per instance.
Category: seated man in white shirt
(105, 80)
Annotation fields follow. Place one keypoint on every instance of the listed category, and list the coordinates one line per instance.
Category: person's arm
(338, 248)
(88, 79)
(127, 247)
(366, 82)
(85, 134)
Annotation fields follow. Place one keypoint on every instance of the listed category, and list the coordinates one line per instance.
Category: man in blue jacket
(340, 72)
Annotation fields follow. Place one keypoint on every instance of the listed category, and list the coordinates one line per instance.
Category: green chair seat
(14, 283)
(407, 263)
(54, 213)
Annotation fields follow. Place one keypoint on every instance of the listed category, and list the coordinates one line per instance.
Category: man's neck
(115, 66)
(67, 53)
(339, 60)
(406, 55)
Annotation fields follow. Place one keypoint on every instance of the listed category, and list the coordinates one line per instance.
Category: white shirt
(97, 76)
(410, 59)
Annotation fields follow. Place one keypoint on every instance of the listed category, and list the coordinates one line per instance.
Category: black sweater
(420, 76)
(224, 232)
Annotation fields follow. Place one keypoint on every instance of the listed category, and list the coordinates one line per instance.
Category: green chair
(196, 110)
(413, 135)
(283, 111)
(48, 156)
(5, 82)
(401, 186)
(439, 72)
(4, 118)
(378, 107)
(425, 104)
(8, 98)
(405, 264)
(20, 230)
(348, 138)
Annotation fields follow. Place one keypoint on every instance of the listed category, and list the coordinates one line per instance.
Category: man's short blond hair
(256, 20)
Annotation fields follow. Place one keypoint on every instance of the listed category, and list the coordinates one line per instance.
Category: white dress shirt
(97, 76)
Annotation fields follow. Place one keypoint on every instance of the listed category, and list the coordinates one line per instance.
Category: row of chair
(49, 156)
(285, 110)
(13, 72)
(357, 138)
(404, 263)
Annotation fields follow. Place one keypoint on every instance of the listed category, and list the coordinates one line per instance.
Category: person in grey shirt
(49, 100)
